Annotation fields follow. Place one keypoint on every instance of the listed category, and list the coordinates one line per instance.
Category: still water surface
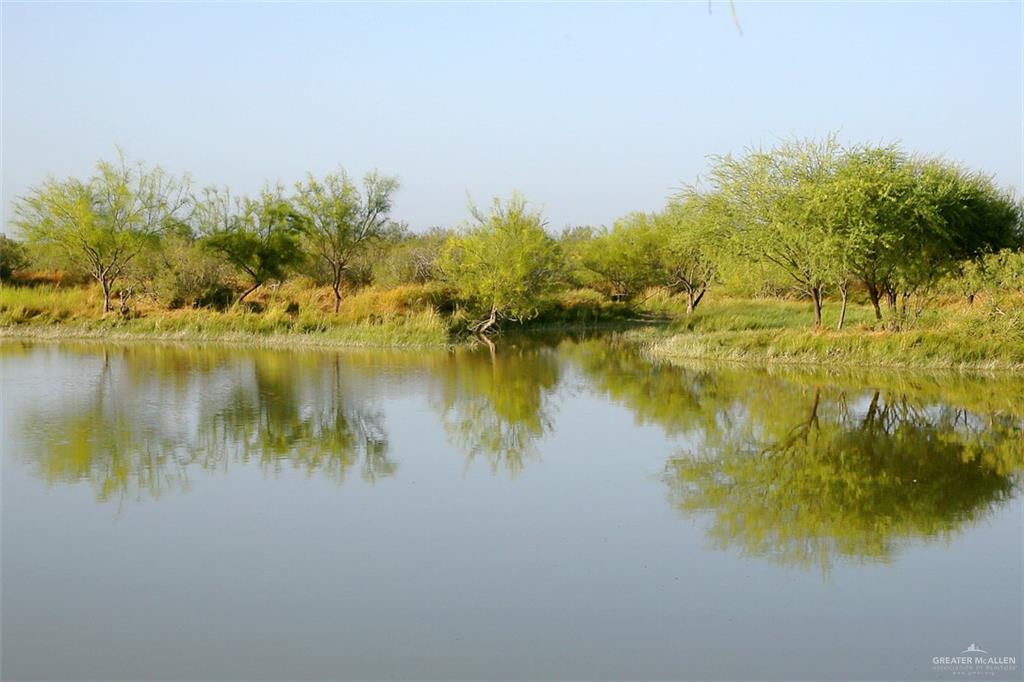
(565, 509)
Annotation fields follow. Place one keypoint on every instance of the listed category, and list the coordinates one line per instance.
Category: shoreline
(58, 333)
(908, 350)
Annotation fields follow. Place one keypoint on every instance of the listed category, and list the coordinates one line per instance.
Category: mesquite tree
(690, 235)
(772, 201)
(340, 221)
(626, 259)
(258, 237)
(103, 223)
(905, 222)
(502, 265)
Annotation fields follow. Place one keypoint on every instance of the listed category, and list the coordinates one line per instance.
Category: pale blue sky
(592, 110)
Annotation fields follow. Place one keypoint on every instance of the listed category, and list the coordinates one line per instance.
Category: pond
(563, 508)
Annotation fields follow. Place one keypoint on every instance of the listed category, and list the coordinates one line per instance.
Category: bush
(585, 306)
(12, 257)
(183, 275)
(504, 266)
(1006, 270)
(410, 260)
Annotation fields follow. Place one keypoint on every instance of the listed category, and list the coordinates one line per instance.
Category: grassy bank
(294, 313)
(986, 335)
(275, 318)
(951, 334)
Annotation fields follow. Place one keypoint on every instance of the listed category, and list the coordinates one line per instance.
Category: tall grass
(372, 318)
(47, 304)
(987, 334)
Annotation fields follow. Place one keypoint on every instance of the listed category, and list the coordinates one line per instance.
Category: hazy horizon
(591, 110)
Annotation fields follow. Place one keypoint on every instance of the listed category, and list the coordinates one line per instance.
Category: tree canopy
(339, 220)
(259, 237)
(104, 222)
(503, 264)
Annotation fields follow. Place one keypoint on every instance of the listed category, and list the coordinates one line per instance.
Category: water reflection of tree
(150, 415)
(497, 403)
(821, 475)
(679, 400)
(304, 420)
(805, 466)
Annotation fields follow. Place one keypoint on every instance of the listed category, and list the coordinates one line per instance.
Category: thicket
(808, 219)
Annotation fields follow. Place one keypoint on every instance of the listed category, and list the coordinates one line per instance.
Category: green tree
(181, 273)
(626, 259)
(574, 242)
(409, 258)
(773, 210)
(906, 222)
(690, 240)
(339, 220)
(258, 237)
(103, 223)
(503, 265)
(873, 198)
(1005, 270)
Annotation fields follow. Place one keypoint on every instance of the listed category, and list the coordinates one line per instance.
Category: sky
(590, 110)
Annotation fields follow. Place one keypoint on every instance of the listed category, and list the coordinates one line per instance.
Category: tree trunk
(844, 292)
(812, 420)
(336, 286)
(106, 284)
(875, 300)
(490, 347)
(869, 418)
(816, 294)
(890, 299)
(489, 322)
(248, 291)
(123, 296)
(693, 300)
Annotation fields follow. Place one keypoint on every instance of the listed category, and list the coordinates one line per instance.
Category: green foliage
(574, 243)
(13, 257)
(625, 260)
(829, 217)
(774, 209)
(1005, 271)
(258, 237)
(502, 266)
(806, 218)
(339, 221)
(184, 274)
(690, 234)
(103, 223)
(409, 258)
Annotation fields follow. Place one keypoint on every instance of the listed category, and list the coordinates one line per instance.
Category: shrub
(504, 266)
(183, 275)
(12, 257)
